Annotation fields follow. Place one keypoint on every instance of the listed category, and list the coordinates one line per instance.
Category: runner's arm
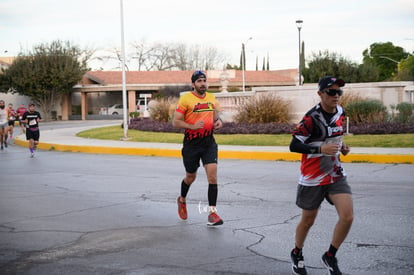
(299, 147)
(218, 123)
(178, 122)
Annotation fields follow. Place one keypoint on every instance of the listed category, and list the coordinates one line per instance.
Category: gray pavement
(75, 213)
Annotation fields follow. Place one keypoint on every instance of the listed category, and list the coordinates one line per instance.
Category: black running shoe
(5, 144)
(331, 263)
(298, 264)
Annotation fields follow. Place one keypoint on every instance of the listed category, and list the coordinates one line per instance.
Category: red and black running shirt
(316, 128)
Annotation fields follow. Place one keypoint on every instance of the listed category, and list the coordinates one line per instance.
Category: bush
(163, 109)
(263, 108)
(232, 89)
(348, 98)
(366, 111)
(134, 114)
(405, 112)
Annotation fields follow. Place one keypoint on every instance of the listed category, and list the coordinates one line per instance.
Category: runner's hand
(198, 125)
(218, 124)
(345, 149)
(330, 149)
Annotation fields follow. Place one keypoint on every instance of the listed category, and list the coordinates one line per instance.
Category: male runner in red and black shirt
(319, 138)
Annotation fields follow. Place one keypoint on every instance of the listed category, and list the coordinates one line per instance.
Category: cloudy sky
(345, 27)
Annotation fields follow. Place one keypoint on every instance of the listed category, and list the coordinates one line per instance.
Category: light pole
(244, 62)
(123, 74)
(299, 25)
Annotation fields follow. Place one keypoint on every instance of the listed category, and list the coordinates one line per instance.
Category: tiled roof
(183, 77)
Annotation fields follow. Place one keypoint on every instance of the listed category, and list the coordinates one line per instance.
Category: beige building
(104, 88)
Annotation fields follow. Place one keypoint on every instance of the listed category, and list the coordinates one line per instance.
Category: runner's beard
(201, 90)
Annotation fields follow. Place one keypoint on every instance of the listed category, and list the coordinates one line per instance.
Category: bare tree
(205, 57)
(118, 54)
(194, 58)
(87, 54)
(211, 58)
(181, 57)
(112, 56)
(143, 53)
(165, 56)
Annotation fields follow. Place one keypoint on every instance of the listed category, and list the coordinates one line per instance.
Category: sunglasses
(333, 92)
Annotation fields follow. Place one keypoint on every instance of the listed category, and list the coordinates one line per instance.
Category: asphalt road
(74, 213)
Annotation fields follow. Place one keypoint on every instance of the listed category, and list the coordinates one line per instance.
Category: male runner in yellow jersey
(197, 113)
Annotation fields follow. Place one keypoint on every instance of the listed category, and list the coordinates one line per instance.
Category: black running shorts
(32, 134)
(193, 154)
(311, 197)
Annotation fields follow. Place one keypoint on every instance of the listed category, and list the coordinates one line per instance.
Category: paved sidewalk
(64, 139)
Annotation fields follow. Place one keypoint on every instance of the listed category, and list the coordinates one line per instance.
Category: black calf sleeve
(212, 194)
(184, 189)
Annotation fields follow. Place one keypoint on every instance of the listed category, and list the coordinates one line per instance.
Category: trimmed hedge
(143, 124)
(382, 128)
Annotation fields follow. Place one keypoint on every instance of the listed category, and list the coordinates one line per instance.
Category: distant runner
(32, 119)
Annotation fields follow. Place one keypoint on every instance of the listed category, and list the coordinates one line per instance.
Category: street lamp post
(299, 25)
(244, 62)
(125, 113)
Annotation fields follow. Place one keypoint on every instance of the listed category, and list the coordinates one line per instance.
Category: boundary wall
(302, 98)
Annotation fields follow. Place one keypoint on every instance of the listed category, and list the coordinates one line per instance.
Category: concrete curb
(223, 154)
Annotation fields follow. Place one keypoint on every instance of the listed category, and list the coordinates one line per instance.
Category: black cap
(328, 81)
(196, 75)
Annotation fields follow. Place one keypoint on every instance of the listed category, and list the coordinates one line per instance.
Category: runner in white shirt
(4, 124)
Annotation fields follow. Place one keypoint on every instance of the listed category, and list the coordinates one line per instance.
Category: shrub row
(256, 128)
(382, 128)
(145, 124)
(273, 128)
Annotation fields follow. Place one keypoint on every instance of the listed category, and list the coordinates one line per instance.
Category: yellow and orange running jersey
(197, 108)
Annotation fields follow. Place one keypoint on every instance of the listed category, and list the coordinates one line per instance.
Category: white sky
(345, 27)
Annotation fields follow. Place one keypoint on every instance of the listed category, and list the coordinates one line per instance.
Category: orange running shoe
(182, 209)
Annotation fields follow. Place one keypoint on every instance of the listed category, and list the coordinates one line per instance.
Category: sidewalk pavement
(65, 139)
